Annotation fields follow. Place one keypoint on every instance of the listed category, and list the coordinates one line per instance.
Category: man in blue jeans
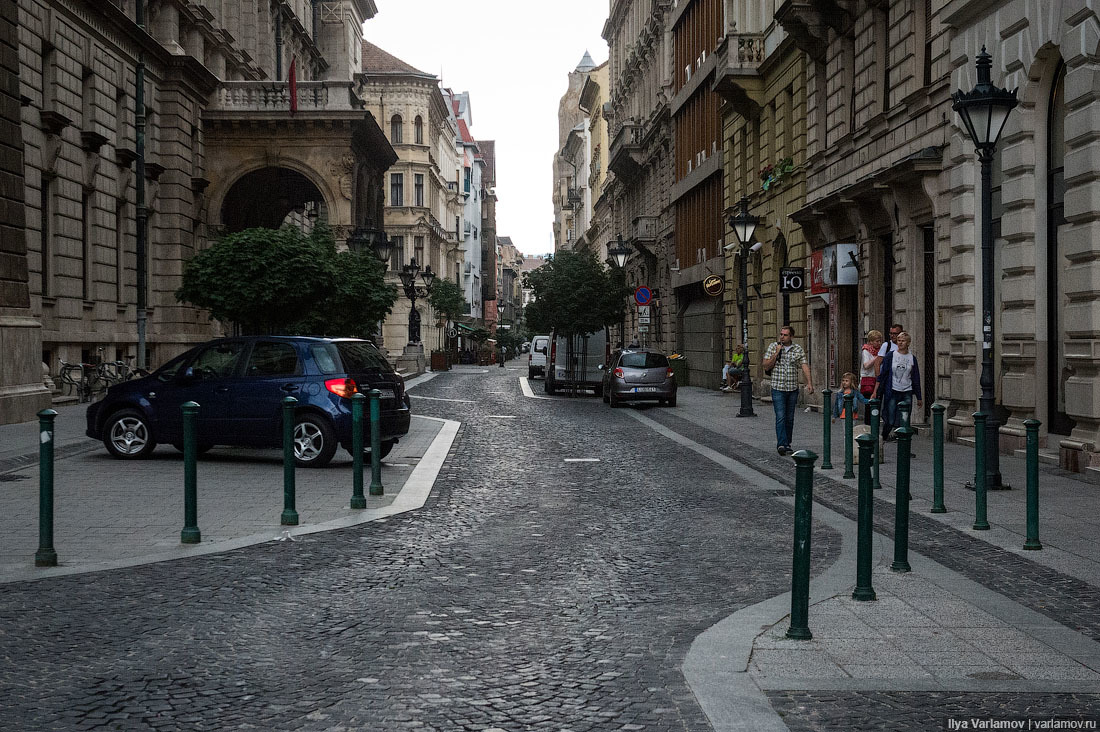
(782, 360)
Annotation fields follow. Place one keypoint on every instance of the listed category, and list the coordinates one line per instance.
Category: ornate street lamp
(744, 225)
(984, 111)
(618, 255)
(500, 317)
(413, 292)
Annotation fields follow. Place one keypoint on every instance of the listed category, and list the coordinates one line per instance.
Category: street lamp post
(984, 111)
(500, 318)
(618, 255)
(408, 283)
(744, 224)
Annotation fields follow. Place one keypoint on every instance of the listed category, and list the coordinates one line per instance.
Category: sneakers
(726, 388)
(784, 450)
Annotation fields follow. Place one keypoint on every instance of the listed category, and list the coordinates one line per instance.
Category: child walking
(847, 386)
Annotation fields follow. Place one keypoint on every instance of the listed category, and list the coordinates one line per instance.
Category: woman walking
(898, 381)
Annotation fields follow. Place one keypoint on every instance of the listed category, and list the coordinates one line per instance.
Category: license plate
(638, 389)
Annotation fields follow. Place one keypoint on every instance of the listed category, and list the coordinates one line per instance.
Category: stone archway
(268, 198)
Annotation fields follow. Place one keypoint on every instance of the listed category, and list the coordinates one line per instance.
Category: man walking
(782, 360)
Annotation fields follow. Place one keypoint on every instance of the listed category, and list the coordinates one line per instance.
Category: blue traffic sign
(643, 295)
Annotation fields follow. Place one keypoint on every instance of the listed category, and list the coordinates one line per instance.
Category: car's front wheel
(127, 435)
(314, 442)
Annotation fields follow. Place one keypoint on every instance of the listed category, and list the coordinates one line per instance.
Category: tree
(574, 295)
(283, 281)
(447, 299)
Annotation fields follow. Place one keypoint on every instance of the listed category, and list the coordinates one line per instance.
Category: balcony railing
(627, 156)
(267, 96)
(737, 78)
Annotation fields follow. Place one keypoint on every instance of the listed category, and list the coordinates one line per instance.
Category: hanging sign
(792, 279)
(713, 285)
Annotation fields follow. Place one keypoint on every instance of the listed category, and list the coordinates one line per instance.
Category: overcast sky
(513, 56)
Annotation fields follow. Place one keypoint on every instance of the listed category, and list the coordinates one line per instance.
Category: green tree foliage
(447, 299)
(574, 295)
(282, 281)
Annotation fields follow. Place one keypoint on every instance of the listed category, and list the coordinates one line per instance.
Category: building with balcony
(471, 187)
(487, 157)
(571, 195)
(597, 234)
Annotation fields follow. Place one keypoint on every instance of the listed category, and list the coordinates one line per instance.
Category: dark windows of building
(397, 189)
(397, 255)
(418, 250)
(418, 189)
(418, 130)
(395, 130)
(466, 179)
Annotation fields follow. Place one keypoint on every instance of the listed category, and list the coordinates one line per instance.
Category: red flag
(293, 85)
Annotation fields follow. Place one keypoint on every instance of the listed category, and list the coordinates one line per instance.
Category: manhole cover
(994, 675)
(10, 478)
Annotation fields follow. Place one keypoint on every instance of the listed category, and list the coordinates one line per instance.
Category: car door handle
(222, 390)
(289, 388)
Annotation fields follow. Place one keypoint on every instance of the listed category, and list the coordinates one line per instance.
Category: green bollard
(981, 523)
(290, 515)
(937, 459)
(873, 407)
(376, 488)
(190, 533)
(864, 528)
(904, 409)
(1032, 427)
(803, 515)
(901, 502)
(45, 556)
(827, 435)
(849, 403)
(357, 499)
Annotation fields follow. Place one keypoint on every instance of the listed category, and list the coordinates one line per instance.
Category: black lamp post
(408, 283)
(984, 111)
(500, 318)
(743, 225)
(618, 255)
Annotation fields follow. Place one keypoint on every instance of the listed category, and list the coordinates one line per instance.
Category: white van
(536, 358)
(579, 366)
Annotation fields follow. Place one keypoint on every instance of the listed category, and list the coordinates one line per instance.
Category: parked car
(240, 384)
(638, 374)
(574, 362)
(536, 359)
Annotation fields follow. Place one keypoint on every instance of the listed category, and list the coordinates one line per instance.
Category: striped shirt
(784, 375)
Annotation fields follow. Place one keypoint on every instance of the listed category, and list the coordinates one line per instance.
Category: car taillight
(668, 373)
(617, 373)
(529, 356)
(342, 387)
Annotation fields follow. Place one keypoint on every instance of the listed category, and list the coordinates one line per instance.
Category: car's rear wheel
(314, 442)
(127, 435)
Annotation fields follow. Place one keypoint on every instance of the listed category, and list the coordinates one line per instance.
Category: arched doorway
(1058, 422)
(270, 197)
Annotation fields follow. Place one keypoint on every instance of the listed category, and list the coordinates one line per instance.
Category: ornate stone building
(598, 234)
(637, 196)
(571, 194)
(224, 150)
(423, 202)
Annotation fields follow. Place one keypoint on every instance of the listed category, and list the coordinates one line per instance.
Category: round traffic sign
(451, 332)
(643, 295)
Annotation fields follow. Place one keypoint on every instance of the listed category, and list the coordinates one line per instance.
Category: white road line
(438, 399)
(526, 386)
(501, 416)
(582, 460)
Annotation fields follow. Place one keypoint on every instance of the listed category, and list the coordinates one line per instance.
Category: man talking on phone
(782, 360)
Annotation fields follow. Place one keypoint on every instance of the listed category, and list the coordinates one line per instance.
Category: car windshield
(359, 356)
(644, 360)
(168, 371)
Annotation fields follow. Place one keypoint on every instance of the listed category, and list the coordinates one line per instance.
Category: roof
(377, 61)
(464, 132)
(586, 63)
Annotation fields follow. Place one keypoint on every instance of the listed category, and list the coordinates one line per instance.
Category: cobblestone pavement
(529, 593)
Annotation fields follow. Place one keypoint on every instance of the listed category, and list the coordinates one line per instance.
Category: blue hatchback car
(240, 384)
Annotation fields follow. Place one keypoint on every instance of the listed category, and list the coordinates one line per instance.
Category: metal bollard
(357, 499)
(873, 406)
(849, 404)
(290, 515)
(376, 443)
(803, 515)
(1032, 427)
(45, 556)
(864, 528)
(901, 502)
(827, 435)
(937, 459)
(981, 523)
(190, 533)
(905, 408)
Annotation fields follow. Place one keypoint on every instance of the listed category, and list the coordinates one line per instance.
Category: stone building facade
(223, 151)
(597, 234)
(636, 198)
(571, 194)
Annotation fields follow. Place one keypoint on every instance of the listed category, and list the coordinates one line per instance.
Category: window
(217, 362)
(418, 127)
(466, 180)
(418, 190)
(418, 250)
(272, 359)
(359, 357)
(644, 360)
(397, 189)
(397, 256)
(395, 130)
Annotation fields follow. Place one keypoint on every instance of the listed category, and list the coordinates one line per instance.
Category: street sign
(643, 311)
(643, 321)
(643, 295)
(451, 332)
(792, 279)
(643, 328)
(713, 285)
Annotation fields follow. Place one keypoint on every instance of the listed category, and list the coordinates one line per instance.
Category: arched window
(395, 130)
(418, 126)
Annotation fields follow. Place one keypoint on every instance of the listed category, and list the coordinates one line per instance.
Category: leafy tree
(280, 280)
(447, 298)
(574, 295)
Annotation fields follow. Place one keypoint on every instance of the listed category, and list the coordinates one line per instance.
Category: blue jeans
(891, 415)
(784, 403)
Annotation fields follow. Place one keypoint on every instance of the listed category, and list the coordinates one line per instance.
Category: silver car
(638, 374)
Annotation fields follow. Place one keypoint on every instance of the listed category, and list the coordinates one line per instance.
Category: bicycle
(73, 377)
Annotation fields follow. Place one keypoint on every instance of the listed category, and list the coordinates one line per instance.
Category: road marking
(498, 392)
(582, 460)
(526, 386)
(501, 416)
(438, 399)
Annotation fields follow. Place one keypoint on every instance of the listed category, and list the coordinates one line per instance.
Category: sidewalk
(113, 513)
(966, 619)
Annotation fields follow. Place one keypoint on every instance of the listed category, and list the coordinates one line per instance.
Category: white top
(902, 372)
(887, 347)
(867, 363)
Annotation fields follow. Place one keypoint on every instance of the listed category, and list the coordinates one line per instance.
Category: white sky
(514, 57)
